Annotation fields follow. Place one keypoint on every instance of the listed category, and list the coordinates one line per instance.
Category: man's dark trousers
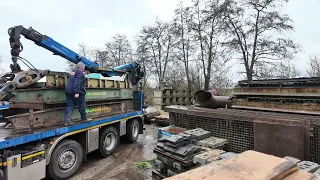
(72, 102)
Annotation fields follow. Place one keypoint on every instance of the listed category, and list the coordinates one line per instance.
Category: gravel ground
(121, 164)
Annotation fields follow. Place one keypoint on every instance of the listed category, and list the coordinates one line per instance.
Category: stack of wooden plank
(297, 94)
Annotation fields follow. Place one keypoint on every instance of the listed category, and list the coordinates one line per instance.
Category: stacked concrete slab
(168, 96)
(306, 166)
(177, 153)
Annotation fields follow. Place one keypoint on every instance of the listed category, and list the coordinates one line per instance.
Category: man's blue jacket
(76, 83)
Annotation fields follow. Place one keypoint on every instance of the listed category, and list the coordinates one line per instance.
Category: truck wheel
(65, 160)
(133, 128)
(109, 140)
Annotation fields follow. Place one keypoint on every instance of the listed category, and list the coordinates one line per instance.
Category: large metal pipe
(206, 99)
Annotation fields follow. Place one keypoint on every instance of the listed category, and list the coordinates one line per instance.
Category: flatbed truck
(58, 151)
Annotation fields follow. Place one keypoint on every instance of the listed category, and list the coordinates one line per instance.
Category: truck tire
(133, 127)
(66, 159)
(109, 140)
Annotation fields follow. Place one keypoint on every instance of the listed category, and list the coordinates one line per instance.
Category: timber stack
(296, 95)
(43, 104)
(249, 165)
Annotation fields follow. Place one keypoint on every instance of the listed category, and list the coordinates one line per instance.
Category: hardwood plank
(249, 165)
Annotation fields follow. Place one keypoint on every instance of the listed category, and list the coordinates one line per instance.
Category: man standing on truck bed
(75, 93)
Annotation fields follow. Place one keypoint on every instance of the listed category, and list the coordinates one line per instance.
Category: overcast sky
(93, 22)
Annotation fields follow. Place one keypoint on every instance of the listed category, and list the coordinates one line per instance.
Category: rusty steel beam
(207, 99)
(280, 82)
(307, 91)
(53, 98)
(289, 106)
(52, 117)
(277, 110)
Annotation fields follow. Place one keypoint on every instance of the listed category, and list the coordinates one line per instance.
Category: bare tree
(158, 41)
(143, 57)
(100, 56)
(283, 70)
(255, 25)
(119, 50)
(83, 50)
(185, 46)
(207, 27)
(176, 76)
(314, 66)
(287, 70)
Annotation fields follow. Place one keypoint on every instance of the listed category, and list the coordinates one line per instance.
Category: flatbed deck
(11, 138)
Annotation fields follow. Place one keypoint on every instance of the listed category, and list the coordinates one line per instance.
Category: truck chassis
(60, 152)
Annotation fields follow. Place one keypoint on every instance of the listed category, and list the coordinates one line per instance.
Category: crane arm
(58, 49)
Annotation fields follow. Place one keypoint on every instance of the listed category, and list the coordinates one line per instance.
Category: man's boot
(87, 120)
(68, 123)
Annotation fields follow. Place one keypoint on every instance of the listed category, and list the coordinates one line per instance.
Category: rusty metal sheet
(47, 118)
(283, 138)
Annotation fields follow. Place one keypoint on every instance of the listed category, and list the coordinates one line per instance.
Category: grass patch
(143, 165)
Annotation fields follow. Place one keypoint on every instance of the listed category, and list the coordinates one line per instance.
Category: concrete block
(308, 166)
(173, 139)
(175, 145)
(207, 157)
(292, 159)
(160, 144)
(317, 173)
(213, 142)
(187, 150)
(165, 161)
(198, 133)
(178, 166)
(201, 158)
(158, 164)
(227, 155)
(171, 149)
(171, 173)
(214, 155)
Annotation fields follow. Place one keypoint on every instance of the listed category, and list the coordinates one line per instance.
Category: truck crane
(34, 143)
(19, 79)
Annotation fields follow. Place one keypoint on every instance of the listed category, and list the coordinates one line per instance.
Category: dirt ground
(121, 164)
